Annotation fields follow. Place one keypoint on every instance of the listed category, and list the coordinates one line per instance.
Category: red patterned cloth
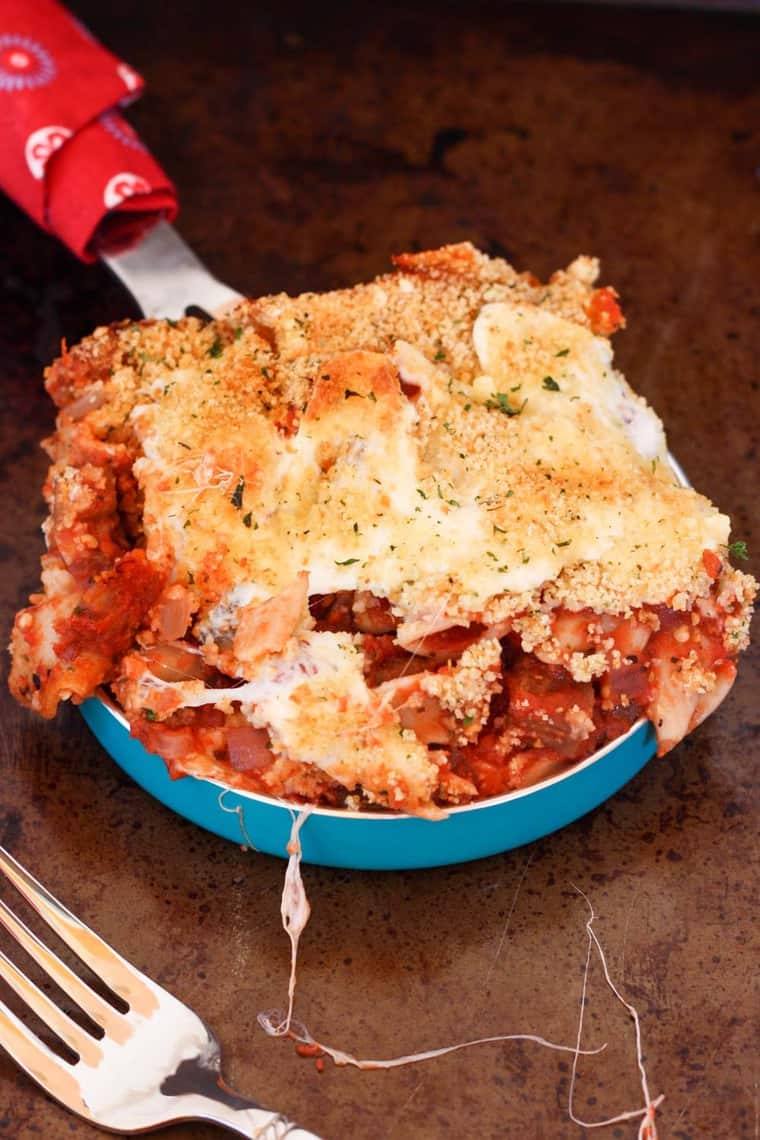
(67, 155)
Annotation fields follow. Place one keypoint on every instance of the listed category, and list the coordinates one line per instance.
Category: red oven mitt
(67, 156)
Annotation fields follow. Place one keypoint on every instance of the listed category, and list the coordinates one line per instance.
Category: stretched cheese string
(294, 906)
(272, 1024)
(238, 811)
(647, 1128)
(295, 911)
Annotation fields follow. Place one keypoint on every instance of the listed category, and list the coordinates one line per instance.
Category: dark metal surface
(310, 144)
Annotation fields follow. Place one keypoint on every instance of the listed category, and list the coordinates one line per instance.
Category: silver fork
(156, 1064)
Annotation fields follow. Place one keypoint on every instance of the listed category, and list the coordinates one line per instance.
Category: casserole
(400, 547)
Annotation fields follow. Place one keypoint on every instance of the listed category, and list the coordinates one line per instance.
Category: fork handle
(244, 1117)
(198, 1091)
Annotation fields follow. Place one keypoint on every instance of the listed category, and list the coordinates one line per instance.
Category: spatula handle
(69, 158)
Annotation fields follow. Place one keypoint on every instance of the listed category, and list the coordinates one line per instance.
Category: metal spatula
(166, 278)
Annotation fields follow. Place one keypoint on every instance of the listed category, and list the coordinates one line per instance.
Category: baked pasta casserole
(399, 546)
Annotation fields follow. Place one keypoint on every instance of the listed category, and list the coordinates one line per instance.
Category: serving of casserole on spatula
(408, 546)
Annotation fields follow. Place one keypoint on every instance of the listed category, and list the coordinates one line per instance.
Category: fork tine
(96, 1007)
(123, 978)
(35, 1058)
(66, 1028)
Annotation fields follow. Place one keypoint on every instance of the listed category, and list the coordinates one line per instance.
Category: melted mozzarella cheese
(316, 705)
(552, 356)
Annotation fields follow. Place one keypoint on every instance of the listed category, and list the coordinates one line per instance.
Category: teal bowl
(369, 842)
(380, 842)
